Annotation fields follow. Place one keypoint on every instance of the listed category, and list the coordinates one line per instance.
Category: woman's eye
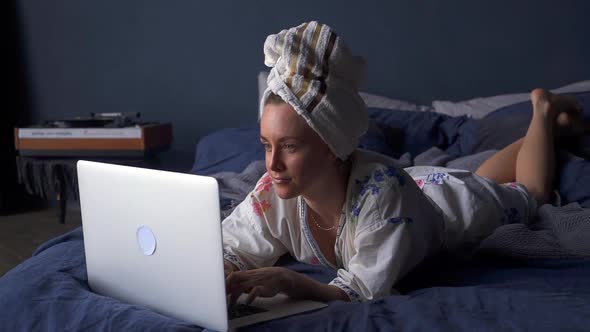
(266, 146)
(289, 147)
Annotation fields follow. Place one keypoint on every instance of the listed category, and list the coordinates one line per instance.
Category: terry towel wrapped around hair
(314, 72)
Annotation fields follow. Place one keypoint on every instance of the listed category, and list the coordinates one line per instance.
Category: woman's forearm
(304, 287)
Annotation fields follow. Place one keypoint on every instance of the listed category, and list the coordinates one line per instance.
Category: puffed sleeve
(397, 227)
(248, 242)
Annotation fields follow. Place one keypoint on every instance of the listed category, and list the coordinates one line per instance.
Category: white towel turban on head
(315, 73)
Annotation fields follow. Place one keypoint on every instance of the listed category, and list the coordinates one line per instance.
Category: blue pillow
(376, 139)
(228, 150)
(574, 181)
(416, 131)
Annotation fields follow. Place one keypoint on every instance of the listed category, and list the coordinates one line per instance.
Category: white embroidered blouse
(387, 228)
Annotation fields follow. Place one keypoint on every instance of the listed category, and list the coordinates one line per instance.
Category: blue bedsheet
(50, 292)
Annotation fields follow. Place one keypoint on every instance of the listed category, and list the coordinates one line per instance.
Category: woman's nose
(274, 162)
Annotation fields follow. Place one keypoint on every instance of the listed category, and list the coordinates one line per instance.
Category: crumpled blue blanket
(50, 292)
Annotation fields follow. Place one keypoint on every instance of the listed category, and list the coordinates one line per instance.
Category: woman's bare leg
(531, 159)
(535, 162)
(501, 167)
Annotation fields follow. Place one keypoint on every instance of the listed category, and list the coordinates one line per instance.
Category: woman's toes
(540, 98)
(540, 95)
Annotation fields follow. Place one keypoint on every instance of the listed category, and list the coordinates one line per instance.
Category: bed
(533, 278)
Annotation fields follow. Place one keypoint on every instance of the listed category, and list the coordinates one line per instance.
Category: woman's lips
(281, 180)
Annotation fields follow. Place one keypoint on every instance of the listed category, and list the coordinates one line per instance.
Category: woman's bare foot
(565, 111)
(541, 100)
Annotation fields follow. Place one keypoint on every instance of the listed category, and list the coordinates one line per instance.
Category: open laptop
(153, 238)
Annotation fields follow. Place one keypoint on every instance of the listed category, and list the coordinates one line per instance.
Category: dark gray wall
(194, 63)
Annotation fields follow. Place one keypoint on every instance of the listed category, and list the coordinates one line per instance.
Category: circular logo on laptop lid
(146, 240)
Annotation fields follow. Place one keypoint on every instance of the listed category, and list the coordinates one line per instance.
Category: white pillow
(479, 107)
(371, 100)
(393, 104)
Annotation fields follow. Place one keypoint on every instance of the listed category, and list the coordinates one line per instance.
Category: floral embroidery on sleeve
(373, 184)
(420, 183)
(397, 220)
(354, 296)
(392, 171)
(512, 185)
(233, 259)
(260, 207)
(436, 178)
(264, 184)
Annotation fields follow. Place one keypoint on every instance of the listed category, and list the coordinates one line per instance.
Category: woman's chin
(285, 192)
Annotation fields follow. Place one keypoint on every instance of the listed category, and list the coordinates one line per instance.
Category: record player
(99, 135)
(96, 120)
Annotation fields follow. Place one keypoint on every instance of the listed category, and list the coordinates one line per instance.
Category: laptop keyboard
(241, 310)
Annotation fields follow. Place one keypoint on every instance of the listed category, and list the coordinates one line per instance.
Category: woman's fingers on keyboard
(253, 294)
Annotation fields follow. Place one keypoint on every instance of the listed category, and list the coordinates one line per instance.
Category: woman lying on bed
(326, 202)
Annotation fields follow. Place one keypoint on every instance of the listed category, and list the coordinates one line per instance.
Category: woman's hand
(228, 268)
(269, 281)
(264, 282)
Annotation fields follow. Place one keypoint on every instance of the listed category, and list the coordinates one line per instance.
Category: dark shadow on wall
(16, 112)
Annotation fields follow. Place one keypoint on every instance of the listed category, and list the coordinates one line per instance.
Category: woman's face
(296, 157)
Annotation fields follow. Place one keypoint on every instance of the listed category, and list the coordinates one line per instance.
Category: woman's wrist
(297, 285)
(229, 266)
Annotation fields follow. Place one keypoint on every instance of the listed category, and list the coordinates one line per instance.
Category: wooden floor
(21, 234)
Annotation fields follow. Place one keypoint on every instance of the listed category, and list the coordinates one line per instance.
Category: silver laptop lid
(154, 238)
